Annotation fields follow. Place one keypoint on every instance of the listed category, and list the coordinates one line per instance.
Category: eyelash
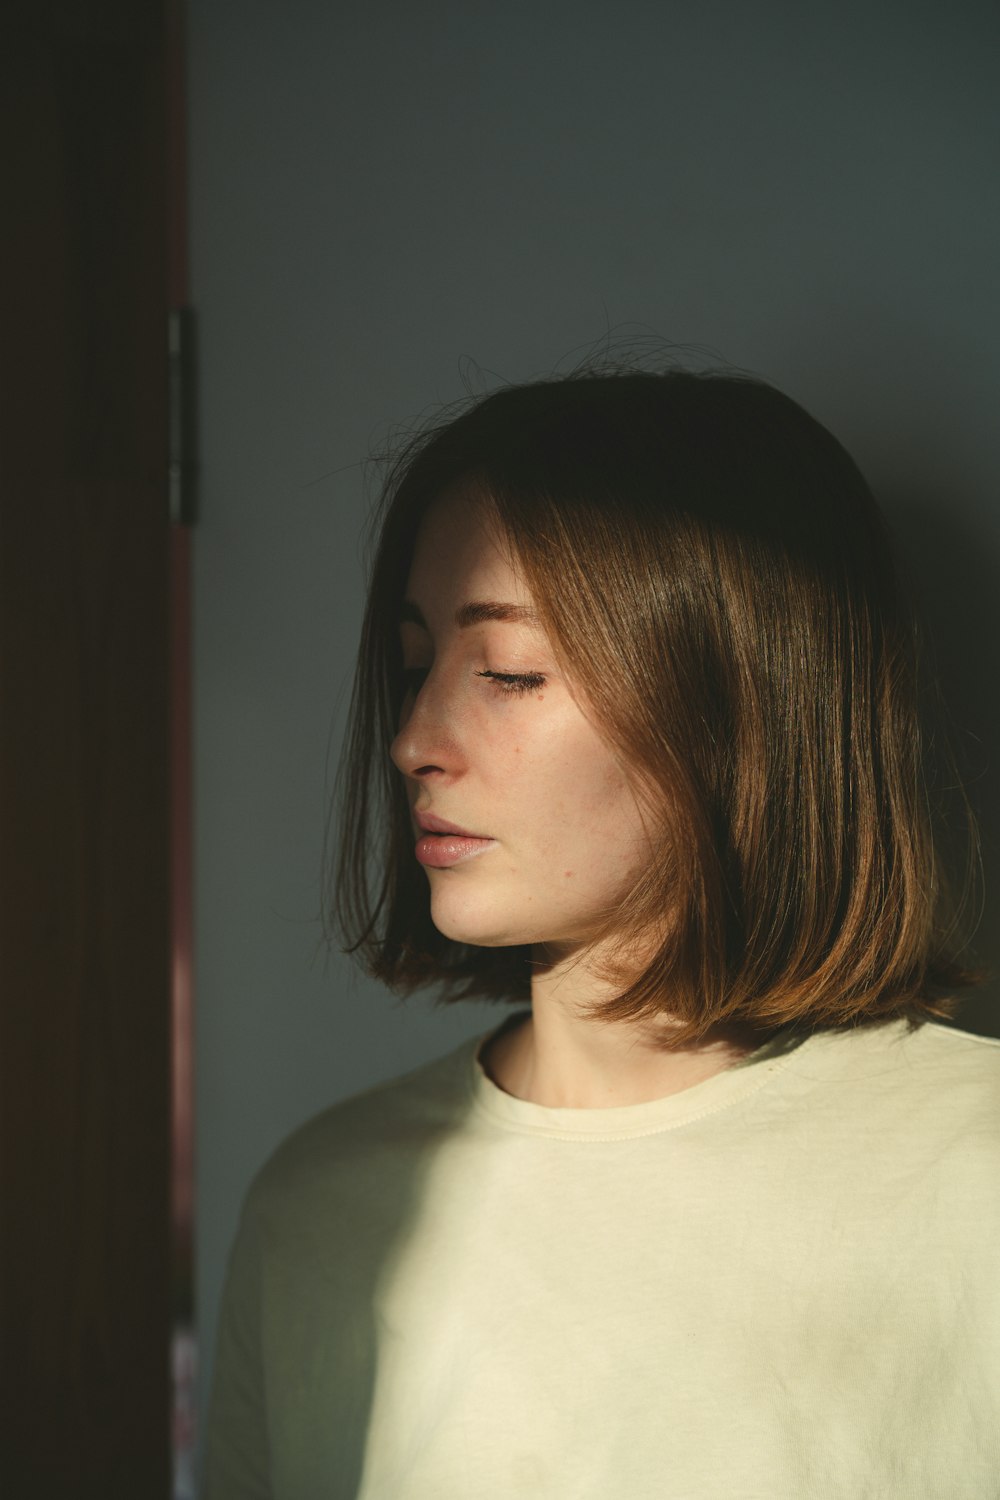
(508, 684)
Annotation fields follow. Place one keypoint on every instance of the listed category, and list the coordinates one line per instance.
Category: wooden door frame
(85, 1034)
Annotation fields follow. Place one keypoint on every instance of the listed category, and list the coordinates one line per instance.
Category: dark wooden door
(84, 754)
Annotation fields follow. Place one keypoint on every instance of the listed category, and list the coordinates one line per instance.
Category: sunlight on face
(542, 830)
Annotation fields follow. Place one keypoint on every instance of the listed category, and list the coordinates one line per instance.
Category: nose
(426, 746)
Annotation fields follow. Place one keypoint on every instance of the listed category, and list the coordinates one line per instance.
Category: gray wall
(383, 193)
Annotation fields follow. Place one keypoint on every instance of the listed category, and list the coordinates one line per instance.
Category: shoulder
(956, 1072)
(361, 1144)
(897, 1053)
(937, 1060)
(960, 1054)
(931, 1084)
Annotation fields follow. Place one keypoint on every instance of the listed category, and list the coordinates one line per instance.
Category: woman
(635, 741)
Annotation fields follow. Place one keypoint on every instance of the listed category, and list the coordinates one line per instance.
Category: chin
(479, 926)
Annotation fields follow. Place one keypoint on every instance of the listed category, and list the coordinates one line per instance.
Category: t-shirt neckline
(628, 1121)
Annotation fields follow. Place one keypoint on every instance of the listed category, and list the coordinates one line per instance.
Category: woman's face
(493, 742)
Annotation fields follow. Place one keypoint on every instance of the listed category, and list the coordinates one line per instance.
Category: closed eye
(513, 683)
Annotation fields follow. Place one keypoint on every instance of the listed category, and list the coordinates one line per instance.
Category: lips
(430, 824)
(445, 844)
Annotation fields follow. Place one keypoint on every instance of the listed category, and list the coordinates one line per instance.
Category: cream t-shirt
(781, 1283)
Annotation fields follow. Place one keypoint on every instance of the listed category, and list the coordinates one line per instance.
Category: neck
(564, 1058)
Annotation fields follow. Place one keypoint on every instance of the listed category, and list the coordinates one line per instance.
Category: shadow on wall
(953, 569)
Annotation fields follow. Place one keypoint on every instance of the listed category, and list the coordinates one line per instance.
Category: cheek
(588, 817)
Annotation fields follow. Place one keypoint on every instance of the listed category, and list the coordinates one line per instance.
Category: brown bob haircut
(709, 560)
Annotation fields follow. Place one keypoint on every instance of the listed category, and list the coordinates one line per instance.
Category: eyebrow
(476, 612)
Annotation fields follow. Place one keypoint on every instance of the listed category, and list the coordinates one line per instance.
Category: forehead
(462, 553)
